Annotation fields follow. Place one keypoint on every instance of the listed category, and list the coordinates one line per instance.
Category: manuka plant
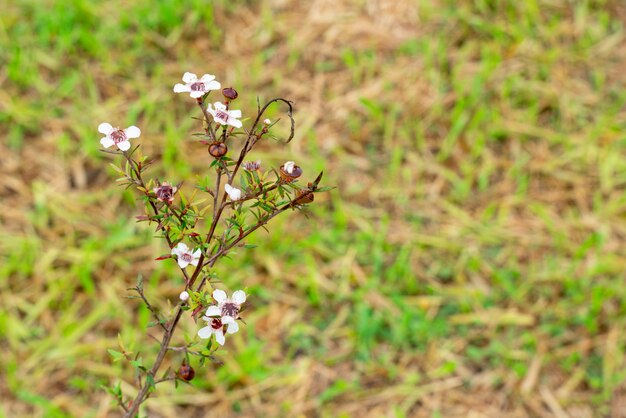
(243, 198)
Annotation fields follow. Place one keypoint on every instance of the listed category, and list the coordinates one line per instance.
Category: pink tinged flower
(216, 326)
(232, 192)
(251, 165)
(165, 192)
(185, 255)
(289, 167)
(223, 116)
(117, 136)
(197, 88)
(226, 307)
(267, 122)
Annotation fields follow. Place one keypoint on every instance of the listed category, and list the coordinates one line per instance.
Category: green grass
(476, 232)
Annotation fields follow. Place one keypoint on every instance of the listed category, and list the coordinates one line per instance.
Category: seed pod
(288, 176)
(218, 149)
(186, 372)
(303, 197)
(230, 93)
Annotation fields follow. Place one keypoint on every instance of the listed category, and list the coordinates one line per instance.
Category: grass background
(470, 262)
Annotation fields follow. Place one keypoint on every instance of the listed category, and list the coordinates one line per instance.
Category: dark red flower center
(216, 323)
(187, 257)
(165, 193)
(222, 115)
(197, 86)
(118, 136)
(230, 309)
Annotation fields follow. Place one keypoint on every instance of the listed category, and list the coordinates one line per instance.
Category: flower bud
(186, 372)
(230, 93)
(290, 171)
(251, 165)
(184, 295)
(267, 122)
(218, 149)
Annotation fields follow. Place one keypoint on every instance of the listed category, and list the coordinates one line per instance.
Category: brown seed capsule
(230, 93)
(186, 372)
(218, 149)
(290, 171)
(303, 197)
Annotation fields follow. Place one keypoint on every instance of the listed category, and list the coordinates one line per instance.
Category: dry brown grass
(488, 201)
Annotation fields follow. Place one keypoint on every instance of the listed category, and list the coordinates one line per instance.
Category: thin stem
(139, 290)
(150, 200)
(218, 209)
(211, 261)
(207, 117)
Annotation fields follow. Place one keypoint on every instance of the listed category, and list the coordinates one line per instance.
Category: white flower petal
(219, 106)
(182, 263)
(219, 337)
(197, 253)
(181, 88)
(105, 128)
(233, 326)
(184, 295)
(232, 192)
(194, 262)
(207, 78)
(212, 85)
(239, 297)
(235, 122)
(124, 145)
(235, 113)
(189, 77)
(107, 142)
(210, 109)
(213, 310)
(196, 94)
(219, 295)
(205, 332)
(132, 132)
(180, 249)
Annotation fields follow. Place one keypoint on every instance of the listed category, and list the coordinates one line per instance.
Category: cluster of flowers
(221, 318)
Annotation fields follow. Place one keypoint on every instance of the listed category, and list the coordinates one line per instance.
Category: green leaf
(117, 356)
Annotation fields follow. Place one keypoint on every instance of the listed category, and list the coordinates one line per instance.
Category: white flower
(216, 326)
(223, 116)
(226, 307)
(117, 136)
(197, 88)
(184, 295)
(185, 256)
(267, 122)
(289, 166)
(232, 192)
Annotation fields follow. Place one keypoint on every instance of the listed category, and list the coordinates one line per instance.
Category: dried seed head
(230, 93)
(186, 372)
(303, 197)
(290, 171)
(218, 149)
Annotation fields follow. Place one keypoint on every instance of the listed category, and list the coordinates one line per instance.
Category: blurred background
(470, 262)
